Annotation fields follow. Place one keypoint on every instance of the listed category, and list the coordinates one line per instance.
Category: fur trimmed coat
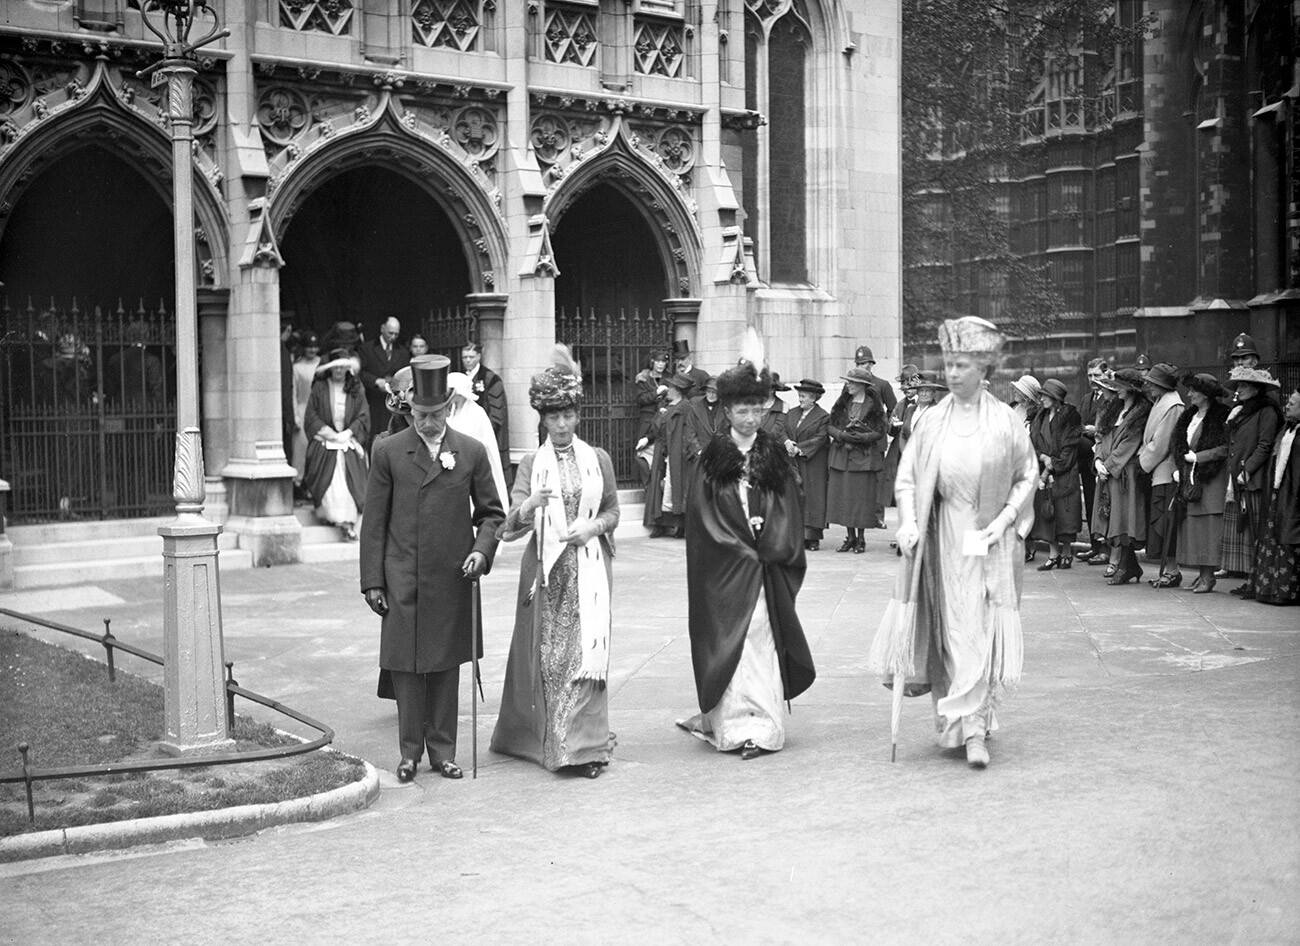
(1210, 470)
(1253, 425)
(732, 558)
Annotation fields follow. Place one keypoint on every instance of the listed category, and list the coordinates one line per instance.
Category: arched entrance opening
(87, 336)
(609, 309)
(370, 243)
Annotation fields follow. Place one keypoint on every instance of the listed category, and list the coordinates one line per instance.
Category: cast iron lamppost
(195, 693)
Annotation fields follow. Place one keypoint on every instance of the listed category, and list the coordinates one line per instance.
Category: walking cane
(475, 683)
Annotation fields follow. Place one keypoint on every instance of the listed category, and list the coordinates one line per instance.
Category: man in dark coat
(1089, 407)
(808, 441)
(380, 361)
(675, 448)
(775, 421)
(491, 397)
(707, 414)
(432, 513)
(686, 368)
(863, 358)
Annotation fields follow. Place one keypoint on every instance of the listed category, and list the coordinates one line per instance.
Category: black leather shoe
(1168, 581)
(859, 546)
(448, 769)
(847, 546)
(1064, 563)
(812, 545)
(1124, 577)
(590, 770)
(1050, 564)
(406, 770)
(750, 751)
(1030, 553)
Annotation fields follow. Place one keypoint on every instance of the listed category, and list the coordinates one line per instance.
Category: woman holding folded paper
(555, 705)
(965, 492)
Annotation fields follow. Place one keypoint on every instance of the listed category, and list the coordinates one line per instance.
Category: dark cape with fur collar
(728, 566)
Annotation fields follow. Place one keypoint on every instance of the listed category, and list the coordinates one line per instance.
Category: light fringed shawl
(1006, 477)
(593, 584)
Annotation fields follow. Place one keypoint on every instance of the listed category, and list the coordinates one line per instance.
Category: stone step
(85, 531)
(51, 574)
(321, 535)
(72, 553)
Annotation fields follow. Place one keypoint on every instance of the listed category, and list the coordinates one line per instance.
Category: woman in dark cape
(744, 567)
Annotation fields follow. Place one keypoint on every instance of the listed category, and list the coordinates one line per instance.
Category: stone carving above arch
(620, 156)
(299, 115)
(418, 141)
(55, 105)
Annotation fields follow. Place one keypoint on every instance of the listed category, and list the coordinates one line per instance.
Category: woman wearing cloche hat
(1055, 432)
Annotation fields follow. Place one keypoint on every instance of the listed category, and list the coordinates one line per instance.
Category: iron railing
(447, 331)
(31, 774)
(87, 411)
(612, 347)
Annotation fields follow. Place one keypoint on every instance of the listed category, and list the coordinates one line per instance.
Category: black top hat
(429, 389)
(681, 347)
(1243, 344)
(812, 386)
(1163, 375)
(776, 383)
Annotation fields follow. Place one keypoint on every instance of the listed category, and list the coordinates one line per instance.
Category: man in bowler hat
(432, 513)
(863, 358)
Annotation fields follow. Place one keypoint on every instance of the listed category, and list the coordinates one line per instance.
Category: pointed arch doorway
(87, 341)
(609, 309)
(370, 243)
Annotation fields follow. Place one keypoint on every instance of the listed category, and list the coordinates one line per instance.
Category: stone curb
(209, 825)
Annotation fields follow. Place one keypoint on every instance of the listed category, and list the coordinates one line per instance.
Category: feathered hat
(559, 387)
(749, 380)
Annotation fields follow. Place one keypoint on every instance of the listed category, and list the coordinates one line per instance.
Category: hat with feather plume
(559, 387)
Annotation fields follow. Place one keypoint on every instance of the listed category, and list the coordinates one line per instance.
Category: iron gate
(87, 411)
(611, 348)
(447, 331)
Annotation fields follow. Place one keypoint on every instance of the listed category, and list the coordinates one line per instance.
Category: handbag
(1044, 508)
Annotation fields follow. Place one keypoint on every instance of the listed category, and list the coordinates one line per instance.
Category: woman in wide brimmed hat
(857, 433)
(555, 703)
(966, 480)
(1055, 433)
(1200, 450)
(650, 393)
(808, 443)
(1024, 397)
(1119, 469)
(1253, 425)
(745, 564)
(337, 422)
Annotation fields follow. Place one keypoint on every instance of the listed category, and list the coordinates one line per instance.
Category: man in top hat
(863, 358)
(686, 367)
(1160, 385)
(808, 442)
(432, 513)
(380, 362)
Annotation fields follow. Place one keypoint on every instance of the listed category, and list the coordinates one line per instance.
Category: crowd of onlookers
(1196, 472)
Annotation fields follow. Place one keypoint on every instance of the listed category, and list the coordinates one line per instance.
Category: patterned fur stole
(769, 468)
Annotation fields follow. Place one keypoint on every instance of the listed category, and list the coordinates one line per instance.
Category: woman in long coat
(857, 432)
(1200, 451)
(744, 567)
(1055, 432)
(650, 390)
(967, 477)
(1277, 553)
(555, 705)
(898, 416)
(337, 423)
(1108, 408)
(808, 430)
(674, 452)
(1127, 526)
(1253, 425)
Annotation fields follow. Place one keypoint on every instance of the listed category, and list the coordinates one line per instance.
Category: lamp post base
(194, 668)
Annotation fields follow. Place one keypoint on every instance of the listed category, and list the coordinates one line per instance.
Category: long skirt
(1199, 540)
(1100, 524)
(851, 499)
(547, 716)
(1240, 526)
(1277, 566)
(750, 708)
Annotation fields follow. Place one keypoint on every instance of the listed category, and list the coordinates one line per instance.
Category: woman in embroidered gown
(965, 493)
(555, 705)
(744, 567)
(337, 421)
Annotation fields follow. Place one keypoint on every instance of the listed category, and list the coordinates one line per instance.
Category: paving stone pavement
(1143, 787)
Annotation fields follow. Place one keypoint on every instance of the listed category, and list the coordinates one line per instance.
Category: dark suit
(811, 434)
(1089, 408)
(422, 521)
(492, 398)
(379, 365)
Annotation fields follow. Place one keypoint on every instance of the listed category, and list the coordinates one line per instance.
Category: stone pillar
(685, 314)
(6, 544)
(259, 479)
(216, 409)
(490, 308)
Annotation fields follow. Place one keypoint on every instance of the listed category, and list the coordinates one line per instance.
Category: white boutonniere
(756, 524)
(478, 387)
(447, 459)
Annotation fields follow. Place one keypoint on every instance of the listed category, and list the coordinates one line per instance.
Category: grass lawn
(62, 704)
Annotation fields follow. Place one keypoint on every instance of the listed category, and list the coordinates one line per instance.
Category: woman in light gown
(555, 704)
(466, 416)
(744, 567)
(337, 421)
(965, 493)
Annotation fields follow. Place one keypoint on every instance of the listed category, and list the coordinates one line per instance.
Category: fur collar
(723, 463)
(1213, 433)
(1243, 411)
